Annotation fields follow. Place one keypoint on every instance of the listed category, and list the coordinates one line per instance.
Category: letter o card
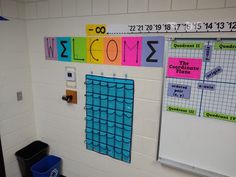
(64, 48)
(112, 50)
(153, 51)
(131, 51)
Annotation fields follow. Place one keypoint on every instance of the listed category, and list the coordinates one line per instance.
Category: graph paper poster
(201, 86)
(188, 68)
(131, 51)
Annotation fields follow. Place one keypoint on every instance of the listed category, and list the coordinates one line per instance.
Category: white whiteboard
(193, 142)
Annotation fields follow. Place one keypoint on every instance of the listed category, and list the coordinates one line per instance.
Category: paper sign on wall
(50, 47)
(64, 48)
(153, 51)
(188, 68)
(95, 50)
(179, 90)
(112, 50)
(131, 51)
(79, 49)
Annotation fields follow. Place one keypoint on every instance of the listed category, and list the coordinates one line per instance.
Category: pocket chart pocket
(89, 122)
(119, 117)
(104, 113)
(104, 88)
(104, 101)
(96, 99)
(96, 135)
(112, 89)
(129, 91)
(89, 86)
(103, 137)
(118, 141)
(111, 151)
(128, 118)
(96, 86)
(126, 156)
(127, 131)
(126, 144)
(119, 129)
(111, 102)
(89, 144)
(128, 105)
(110, 139)
(103, 148)
(96, 124)
(111, 127)
(111, 115)
(120, 104)
(89, 99)
(118, 153)
(96, 146)
(120, 90)
(103, 125)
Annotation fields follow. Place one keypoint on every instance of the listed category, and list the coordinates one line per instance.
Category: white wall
(17, 125)
(63, 126)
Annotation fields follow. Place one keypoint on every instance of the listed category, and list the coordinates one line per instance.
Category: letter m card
(153, 51)
(131, 51)
(64, 48)
(50, 45)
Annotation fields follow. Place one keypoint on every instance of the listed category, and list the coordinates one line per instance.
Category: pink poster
(188, 68)
(131, 51)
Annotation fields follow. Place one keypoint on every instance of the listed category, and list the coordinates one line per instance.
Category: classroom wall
(62, 125)
(17, 125)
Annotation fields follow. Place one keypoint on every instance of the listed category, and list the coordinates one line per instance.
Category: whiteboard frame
(172, 163)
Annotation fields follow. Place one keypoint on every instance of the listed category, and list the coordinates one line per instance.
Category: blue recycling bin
(49, 166)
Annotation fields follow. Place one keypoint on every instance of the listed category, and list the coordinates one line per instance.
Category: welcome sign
(123, 51)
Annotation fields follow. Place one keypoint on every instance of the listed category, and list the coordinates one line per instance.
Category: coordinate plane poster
(200, 78)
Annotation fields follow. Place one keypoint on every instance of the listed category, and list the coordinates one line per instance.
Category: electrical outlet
(19, 96)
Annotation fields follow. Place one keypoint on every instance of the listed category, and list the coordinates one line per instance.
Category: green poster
(189, 111)
(225, 46)
(78, 49)
(187, 45)
(220, 116)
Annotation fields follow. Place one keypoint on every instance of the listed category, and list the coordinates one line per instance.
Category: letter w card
(64, 48)
(153, 51)
(50, 45)
(131, 51)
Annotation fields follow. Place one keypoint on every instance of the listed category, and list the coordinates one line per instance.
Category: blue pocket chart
(64, 48)
(109, 116)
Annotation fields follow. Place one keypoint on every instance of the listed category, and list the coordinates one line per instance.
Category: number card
(96, 29)
(131, 51)
(153, 51)
(112, 50)
(95, 50)
(50, 45)
(79, 49)
(64, 48)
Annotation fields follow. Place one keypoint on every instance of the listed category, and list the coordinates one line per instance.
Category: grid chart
(222, 99)
(109, 116)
